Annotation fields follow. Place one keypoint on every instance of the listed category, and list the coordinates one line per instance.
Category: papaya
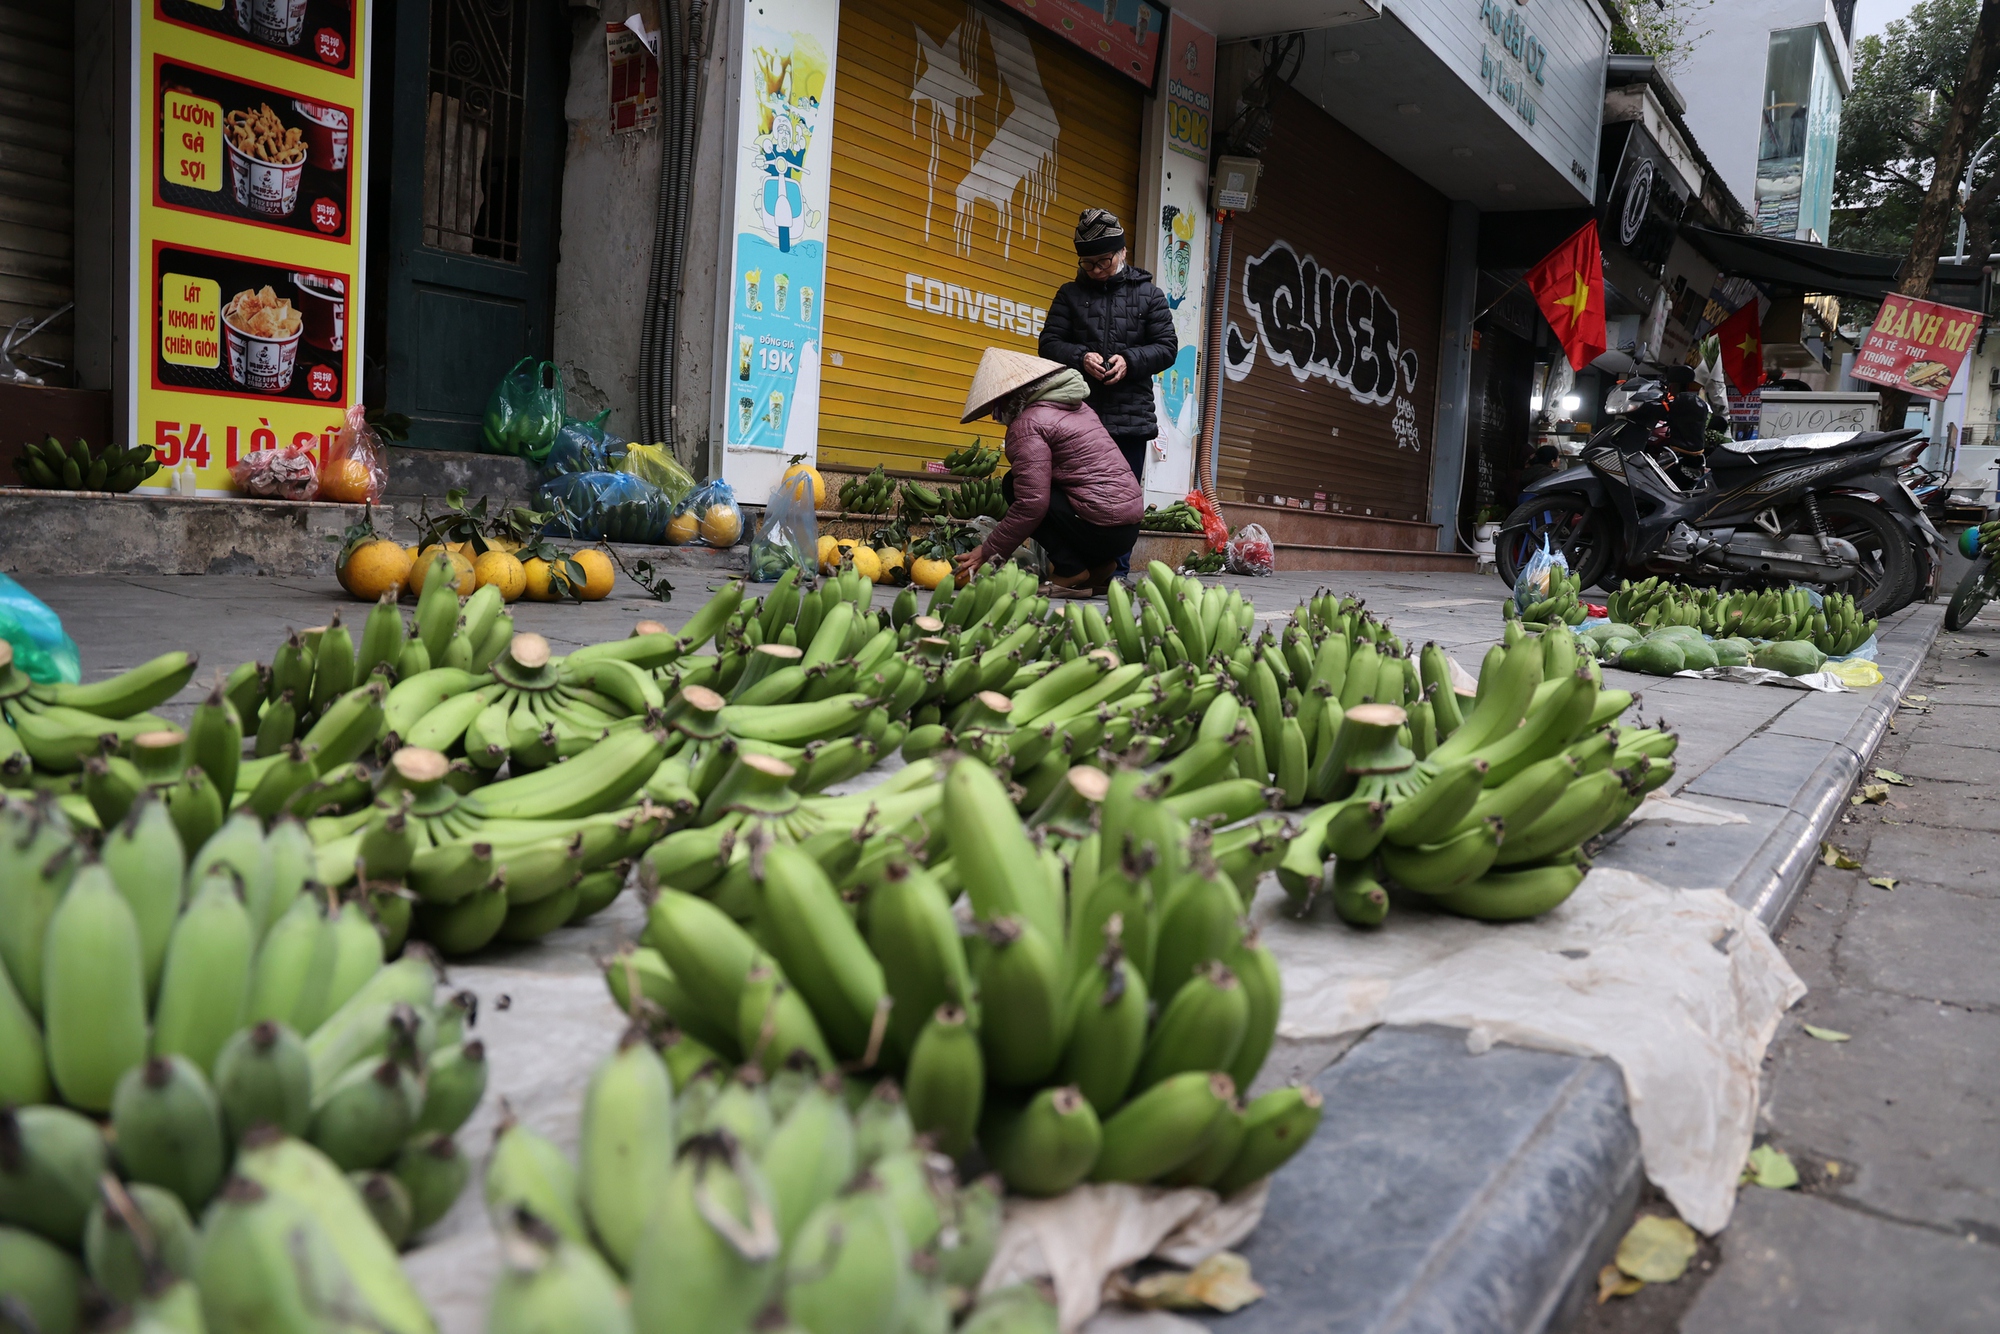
(1677, 632)
(1697, 655)
(1605, 631)
(1793, 657)
(1656, 655)
(1731, 652)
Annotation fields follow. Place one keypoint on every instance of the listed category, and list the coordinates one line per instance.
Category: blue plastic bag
(613, 506)
(584, 446)
(42, 648)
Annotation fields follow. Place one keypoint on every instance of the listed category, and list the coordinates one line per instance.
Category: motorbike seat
(1791, 448)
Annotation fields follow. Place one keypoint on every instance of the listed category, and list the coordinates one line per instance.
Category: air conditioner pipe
(1206, 440)
(652, 426)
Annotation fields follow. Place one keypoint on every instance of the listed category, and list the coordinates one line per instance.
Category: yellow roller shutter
(965, 143)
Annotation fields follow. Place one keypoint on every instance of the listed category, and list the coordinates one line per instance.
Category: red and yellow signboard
(246, 302)
(1916, 346)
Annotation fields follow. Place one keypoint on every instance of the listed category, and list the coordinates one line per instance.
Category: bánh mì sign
(1916, 346)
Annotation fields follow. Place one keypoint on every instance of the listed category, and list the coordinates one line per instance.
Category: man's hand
(1114, 370)
(968, 564)
(1094, 367)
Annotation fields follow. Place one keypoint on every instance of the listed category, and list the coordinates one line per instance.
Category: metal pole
(1964, 192)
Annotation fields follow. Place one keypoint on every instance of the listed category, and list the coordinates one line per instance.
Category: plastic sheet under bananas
(1682, 988)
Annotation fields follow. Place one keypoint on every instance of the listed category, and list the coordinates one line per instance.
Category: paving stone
(1909, 1105)
(1935, 944)
(1954, 763)
(1689, 856)
(1766, 768)
(1792, 1263)
(1915, 852)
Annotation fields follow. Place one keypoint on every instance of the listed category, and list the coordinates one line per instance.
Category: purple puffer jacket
(1050, 445)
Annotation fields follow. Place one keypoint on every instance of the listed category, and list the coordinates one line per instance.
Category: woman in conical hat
(1067, 486)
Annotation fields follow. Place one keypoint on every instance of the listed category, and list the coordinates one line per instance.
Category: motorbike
(1978, 587)
(1827, 510)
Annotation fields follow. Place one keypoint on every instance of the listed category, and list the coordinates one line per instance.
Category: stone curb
(1769, 884)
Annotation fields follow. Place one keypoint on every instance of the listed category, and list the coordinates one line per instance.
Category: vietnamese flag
(1742, 342)
(1569, 286)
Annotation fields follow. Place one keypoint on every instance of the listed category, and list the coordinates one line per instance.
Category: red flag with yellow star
(1742, 342)
(1569, 286)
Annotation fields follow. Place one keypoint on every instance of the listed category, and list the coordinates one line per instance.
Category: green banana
(205, 983)
(626, 1145)
(526, 1172)
(51, 1160)
(94, 992)
(136, 1235)
(1201, 1028)
(551, 1283)
(802, 922)
(1511, 896)
(1163, 1127)
(1045, 1147)
(263, 1077)
(709, 1256)
(365, 1115)
(1275, 1127)
(1436, 868)
(168, 1129)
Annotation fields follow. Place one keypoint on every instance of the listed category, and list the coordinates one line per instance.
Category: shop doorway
(467, 203)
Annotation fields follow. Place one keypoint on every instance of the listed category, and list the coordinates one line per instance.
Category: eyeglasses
(1099, 263)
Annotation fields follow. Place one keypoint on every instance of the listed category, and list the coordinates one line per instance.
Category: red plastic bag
(1250, 551)
(282, 474)
(1212, 526)
(356, 468)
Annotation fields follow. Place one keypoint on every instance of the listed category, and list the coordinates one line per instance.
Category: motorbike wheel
(1585, 536)
(1888, 578)
(1971, 597)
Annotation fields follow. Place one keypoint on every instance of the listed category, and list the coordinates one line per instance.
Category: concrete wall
(1723, 80)
(610, 200)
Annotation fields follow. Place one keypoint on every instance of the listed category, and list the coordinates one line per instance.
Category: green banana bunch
(920, 503)
(75, 467)
(972, 460)
(1179, 517)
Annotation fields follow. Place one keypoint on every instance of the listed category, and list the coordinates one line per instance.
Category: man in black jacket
(1114, 325)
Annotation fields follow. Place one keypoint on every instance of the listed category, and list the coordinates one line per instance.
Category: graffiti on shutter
(1317, 323)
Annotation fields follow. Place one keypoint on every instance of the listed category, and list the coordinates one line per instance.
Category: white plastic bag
(1533, 583)
(1251, 552)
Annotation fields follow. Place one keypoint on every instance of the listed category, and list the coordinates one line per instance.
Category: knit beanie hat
(1098, 233)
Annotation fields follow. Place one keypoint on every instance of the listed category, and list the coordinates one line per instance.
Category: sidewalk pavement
(1478, 1192)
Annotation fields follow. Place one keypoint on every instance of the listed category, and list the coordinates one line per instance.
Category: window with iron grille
(472, 129)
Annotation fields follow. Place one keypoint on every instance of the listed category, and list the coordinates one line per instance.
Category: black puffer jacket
(1123, 315)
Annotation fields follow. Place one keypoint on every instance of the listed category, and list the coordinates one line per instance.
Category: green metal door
(476, 144)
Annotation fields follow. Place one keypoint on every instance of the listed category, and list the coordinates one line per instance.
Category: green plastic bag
(525, 412)
(43, 650)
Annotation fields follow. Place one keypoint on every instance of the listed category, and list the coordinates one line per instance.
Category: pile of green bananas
(1204, 562)
(209, 1008)
(873, 494)
(977, 496)
(702, 1198)
(72, 467)
(1483, 814)
(974, 460)
(1836, 627)
(920, 503)
(1563, 604)
(1033, 1037)
(1179, 517)
(53, 729)
(1988, 540)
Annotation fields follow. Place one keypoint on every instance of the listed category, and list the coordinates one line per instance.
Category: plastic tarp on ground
(1682, 988)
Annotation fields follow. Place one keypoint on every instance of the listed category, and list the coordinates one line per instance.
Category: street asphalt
(1896, 1131)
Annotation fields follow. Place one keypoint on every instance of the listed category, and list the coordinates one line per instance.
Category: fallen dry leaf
(1875, 792)
(1613, 1283)
(1832, 1168)
(1826, 1034)
(1891, 776)
(1770, 1168)
(1882, 881)
(1837, 859)
(1656, 1249)
(1222, 1282)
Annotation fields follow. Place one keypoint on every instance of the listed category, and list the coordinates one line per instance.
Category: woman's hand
(968, 564)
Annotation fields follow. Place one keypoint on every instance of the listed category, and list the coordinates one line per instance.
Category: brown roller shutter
(36, 229)
(1336, 290)
(965, 143)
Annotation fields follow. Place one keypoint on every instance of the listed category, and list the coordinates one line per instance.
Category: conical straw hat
(1000, 373)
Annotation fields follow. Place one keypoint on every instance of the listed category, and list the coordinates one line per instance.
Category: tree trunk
(1968, 107)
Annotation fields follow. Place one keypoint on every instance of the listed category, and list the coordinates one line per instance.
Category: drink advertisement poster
(249, 164)
(1181, 254)
(777, 220)
(1124, 34)
(1916, 346)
